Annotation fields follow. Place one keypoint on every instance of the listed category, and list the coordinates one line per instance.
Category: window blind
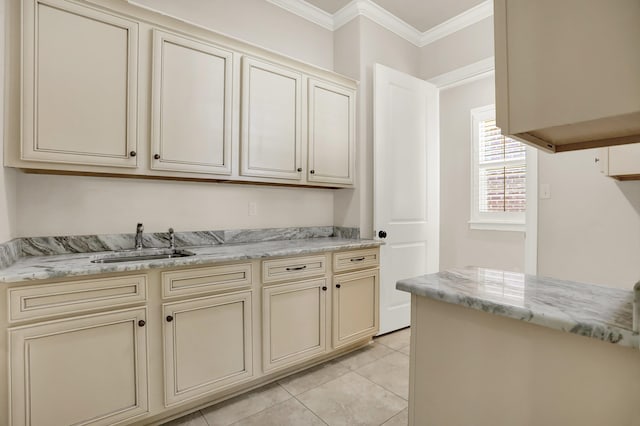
(502, 171)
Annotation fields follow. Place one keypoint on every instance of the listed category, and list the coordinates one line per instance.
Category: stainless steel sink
(138, 255)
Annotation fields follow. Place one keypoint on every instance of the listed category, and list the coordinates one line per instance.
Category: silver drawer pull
(297, 268)
(357, 259)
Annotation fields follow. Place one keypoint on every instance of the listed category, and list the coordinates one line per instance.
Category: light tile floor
(369, 387)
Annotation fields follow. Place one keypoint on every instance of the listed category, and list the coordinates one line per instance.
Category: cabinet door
(293, 321)
(355, 306)
(86, 370)
(207, 345)
(271, 121)
(79, 85)
(192, 102)
(624, 160)
(331, 133)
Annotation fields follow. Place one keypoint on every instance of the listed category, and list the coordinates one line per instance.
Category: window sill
(498, 226)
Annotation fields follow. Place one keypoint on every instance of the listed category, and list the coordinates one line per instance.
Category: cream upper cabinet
(293, 322)
(331, 132)
(207, 345)
(356, 299)
(79, 98)
(567, 72)
(85, 370)
(621, 162)
(191, 105)
(271, 133)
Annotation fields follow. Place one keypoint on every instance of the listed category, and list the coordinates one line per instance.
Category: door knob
(141, 323)
(156, 157)
(382, 234)
(169, 318)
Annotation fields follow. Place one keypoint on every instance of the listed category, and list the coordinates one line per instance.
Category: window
(499, 170)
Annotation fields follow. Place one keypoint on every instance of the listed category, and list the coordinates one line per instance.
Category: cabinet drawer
(205, 280)
(72, 297)
(357, 259)
(294, 267)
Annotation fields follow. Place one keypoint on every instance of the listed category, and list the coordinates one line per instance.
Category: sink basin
(138, 255)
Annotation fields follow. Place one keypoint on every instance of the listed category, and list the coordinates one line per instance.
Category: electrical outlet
(253, 208)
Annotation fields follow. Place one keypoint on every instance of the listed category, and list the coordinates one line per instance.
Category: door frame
(476, 71)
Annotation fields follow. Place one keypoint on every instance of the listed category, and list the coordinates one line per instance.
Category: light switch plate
(545, 191)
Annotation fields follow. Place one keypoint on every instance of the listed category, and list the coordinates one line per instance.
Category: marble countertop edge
(30, 269)
(536, 310)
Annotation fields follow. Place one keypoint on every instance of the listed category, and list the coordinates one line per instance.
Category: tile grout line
(315, 387)
(264, 409)
(310, 410)
(388, 390)
(382, 424)
(204, 418)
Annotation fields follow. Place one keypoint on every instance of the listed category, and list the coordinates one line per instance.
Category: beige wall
(589, 230)
(459, 245)
(377, 45)
(57, 205)
(258, 22)
(461, 48)
(346, 60)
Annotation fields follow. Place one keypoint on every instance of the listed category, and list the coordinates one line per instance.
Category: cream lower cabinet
(355, 306)
(85, 370)
(293, 322)
(207, 345)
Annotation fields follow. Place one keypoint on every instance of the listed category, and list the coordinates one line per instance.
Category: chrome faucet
(172, 239)
(139, 230)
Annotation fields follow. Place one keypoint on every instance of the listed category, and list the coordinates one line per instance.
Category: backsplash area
(45, 246)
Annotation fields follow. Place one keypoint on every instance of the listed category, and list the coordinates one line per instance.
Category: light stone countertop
(28, 269)
(599, 312)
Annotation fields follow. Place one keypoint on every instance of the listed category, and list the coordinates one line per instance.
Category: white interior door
(406, 186)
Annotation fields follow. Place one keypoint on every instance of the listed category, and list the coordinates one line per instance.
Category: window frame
(494, 221)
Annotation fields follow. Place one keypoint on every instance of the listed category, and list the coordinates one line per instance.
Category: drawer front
(72, 297)
(292, 268)
(206, 280)
(357, 259)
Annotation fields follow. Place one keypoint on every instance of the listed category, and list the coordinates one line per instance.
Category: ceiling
(420, 14)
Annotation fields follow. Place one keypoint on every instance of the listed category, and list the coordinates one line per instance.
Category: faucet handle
(172, 239)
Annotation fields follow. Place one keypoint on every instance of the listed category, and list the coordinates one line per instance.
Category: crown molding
(386, 19)
(466, 74)
(457, 23)
(307, 11)
(379, 15)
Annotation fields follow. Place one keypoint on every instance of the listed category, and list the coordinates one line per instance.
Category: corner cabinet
(331, 132)
(90, 369)
(567, 72)
(192, 105)
(80, 71)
